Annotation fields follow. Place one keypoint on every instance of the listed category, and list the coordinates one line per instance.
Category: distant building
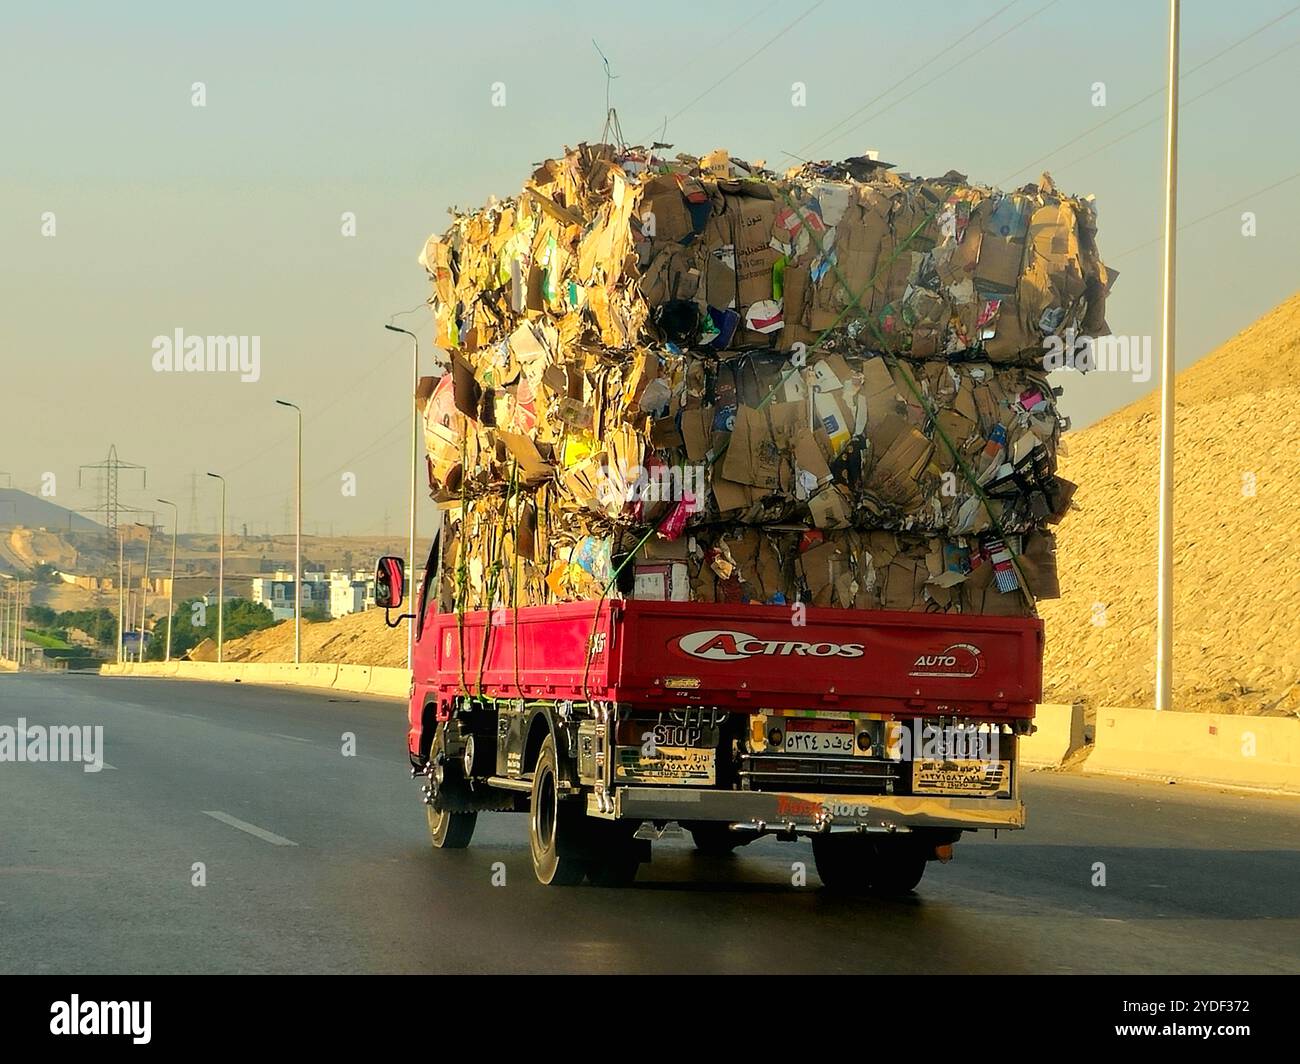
(351, 593)
(336, 593)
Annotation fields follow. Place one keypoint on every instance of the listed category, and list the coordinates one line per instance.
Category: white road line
(107, 765)
(293, 738)
(252, 829)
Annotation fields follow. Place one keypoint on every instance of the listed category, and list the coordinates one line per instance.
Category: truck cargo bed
(738, 657)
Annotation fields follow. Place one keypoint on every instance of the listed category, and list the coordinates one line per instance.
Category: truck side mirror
(390, 582)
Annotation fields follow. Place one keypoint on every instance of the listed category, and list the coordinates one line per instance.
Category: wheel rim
(546, 811)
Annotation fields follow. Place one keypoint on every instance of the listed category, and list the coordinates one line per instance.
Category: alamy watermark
(180, 353)
(1102, 354)
(36, 743)
(657, 483)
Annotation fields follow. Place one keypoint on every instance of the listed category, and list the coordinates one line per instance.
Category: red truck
(881, 736)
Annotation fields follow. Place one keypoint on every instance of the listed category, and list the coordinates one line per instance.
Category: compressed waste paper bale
(695, 379)
(621, 248)
(848, 439)
(515, 550)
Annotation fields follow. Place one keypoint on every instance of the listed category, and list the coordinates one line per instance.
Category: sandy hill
(1236, 569)
(1237, 575)
(357, 639)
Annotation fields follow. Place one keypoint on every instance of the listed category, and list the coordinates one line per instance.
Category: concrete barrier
(358, 679)
(353, 679)
(389, 683)
(1256, 752)
(1058, 734)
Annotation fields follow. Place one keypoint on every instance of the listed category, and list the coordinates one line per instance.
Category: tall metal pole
(221, 571)
(171, 587)
(1165, 554)
(415, 463)
(297, 545)
(144, 596)
(130, 608)
(121, 598)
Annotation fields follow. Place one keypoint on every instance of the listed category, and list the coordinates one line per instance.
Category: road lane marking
(292, 738)
(252, 829)
(107, 765)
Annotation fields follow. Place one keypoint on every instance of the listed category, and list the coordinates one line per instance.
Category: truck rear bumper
(804, 813)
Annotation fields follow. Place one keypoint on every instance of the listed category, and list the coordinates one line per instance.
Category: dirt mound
(357, 639)
(1236, 570)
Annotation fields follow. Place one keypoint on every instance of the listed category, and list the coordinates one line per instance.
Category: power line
(906, 77)
(347, 392)
(700, 56)
(1151, 95)
(1206, 217)
(948, 69)
(1199, 96)
(746, 61)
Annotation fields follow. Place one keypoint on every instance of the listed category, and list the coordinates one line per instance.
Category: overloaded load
(833, 440)
(518, 549)
(617, 249)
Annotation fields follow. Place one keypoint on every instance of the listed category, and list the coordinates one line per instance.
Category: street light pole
(1165, 552)
(415, 463)
(297, 544)
(171, 587)
(121, 597)
(221, 569)
(144, 594)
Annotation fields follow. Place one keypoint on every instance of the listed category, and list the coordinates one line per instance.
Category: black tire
(615, 854)
(843, 862)
(450, 827)
(715, 838)
(448, 830)
(555, 828)
(858, 864)
(898, 867)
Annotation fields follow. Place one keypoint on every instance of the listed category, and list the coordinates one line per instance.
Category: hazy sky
(226, 219)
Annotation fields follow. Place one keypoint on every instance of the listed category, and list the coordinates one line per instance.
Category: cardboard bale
(696, 379)
(619, 248)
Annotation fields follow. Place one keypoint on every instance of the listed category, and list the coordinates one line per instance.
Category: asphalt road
(319, 862)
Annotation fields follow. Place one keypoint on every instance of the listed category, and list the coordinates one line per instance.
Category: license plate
(818, 737)
(671, 764)
(962, 777)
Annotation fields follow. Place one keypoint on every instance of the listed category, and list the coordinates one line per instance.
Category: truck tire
(843, 862)
(448, 830)
(898, 867)
(555, 829)
(450, 827)
(715, 838)
(858, 864)
(616, 853)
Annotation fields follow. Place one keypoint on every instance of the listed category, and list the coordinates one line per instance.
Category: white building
(351, 593)
(337, 594)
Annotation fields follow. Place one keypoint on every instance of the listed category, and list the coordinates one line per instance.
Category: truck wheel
(555, 828)
(616, 854)
(844, 862)
(450, 831)
(897, 867)
(716, 839)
